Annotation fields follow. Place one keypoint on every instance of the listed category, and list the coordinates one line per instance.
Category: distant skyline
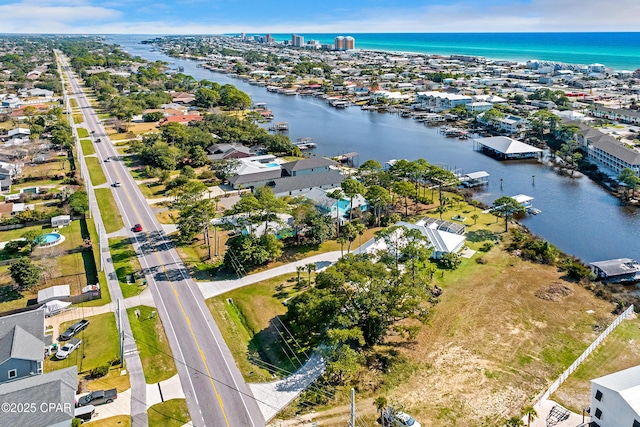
(328, 16)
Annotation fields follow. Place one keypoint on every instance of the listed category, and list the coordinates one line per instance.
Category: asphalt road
(216, 393)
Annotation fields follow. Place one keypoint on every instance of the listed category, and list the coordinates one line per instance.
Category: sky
(321, 16)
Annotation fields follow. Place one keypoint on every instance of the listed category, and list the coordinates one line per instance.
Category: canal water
(578, 216)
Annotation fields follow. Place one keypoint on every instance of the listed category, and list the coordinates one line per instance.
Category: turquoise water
(50, 238)
(620, 51)
(272, 165)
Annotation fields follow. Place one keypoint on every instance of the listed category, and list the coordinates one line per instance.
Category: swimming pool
(50, 239)
(272, 165)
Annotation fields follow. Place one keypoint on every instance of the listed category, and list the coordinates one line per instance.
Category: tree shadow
(9, 293)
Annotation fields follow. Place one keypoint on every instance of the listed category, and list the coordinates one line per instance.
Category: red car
(137, 228)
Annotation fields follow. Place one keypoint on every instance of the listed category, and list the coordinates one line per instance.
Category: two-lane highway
(216, 393)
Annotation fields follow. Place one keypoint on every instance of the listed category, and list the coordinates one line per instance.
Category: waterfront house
(442, 236)
(616, 270)
(333, 207)
(292, 178)
(183, 119)
(439, 101)
(615, 399)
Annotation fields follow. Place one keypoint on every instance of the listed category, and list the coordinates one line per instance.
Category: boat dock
(305, 144)
(279, 127)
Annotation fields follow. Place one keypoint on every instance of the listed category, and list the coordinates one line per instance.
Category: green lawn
(247, 324)
(73, 102)
(117, 421)
(172, 413)
(5, 236)
(95, 171)
(617, 352)
(157, 361)
(100, 345)
(87, 147)
(102, 279)
(125, 263)
(110, 213)
(83, 133)
(78, 118)
(152, 190)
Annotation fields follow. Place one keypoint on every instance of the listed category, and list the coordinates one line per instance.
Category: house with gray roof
(616, 270)
(292, 178)
(22, 345)
(617, 114)
(228, 151)
(50, 399)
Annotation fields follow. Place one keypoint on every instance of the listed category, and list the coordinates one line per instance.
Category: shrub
(100, 371)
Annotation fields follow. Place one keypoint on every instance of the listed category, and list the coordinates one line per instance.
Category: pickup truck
(69, 347)
(98, 397)
(74, 329)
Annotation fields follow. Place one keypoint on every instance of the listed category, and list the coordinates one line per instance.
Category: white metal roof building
(615, 399)
(506, 148)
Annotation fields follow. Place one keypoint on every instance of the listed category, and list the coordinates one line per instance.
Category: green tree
(311, 267)
(351, 189)
(475, 217)
(514, 422)
(25, 273)
(506, 207)
(450, 260)
(337, 196)
(530, 413)
(378, 198)
(207, 97)
(406, 190)
(78, 202)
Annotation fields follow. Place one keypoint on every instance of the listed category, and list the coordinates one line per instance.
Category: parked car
(137, 228)
(116, 184)
(399, 419)
(98, 140)
(98, 397)
(74, 329)
(68, 348)
(108, 159)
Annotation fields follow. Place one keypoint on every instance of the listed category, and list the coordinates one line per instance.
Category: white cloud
(51, 16)
(79, 16)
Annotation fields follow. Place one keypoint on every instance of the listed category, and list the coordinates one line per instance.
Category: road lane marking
(137, 215)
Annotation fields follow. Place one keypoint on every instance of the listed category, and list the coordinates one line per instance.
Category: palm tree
(475, 217)
(310, 267)
(514, 422)
(380, 403)
(299, 269)
(530, 413)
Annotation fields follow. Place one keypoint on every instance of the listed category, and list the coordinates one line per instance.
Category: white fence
(586, 353)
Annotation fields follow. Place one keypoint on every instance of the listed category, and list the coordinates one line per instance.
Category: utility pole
(352, 422)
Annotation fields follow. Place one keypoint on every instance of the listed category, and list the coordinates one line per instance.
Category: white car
(399, 419)
(68, 348)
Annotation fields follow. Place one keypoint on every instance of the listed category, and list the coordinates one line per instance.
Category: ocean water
(620, 51)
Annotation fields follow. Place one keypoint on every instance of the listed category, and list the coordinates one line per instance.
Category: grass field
(172, 413)
(73, 102)
(114, 379)
(617, 352)
(157, 360)
(110, 213)
(490, 346)
(82, 133)
(87, 147)
(78, 119)
(99, 345)
(117, 421)
(152, 190)
(95, 171)
(126, 264)
(248, 325)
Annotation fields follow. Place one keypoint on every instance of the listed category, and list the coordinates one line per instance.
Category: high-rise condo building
(297, 41)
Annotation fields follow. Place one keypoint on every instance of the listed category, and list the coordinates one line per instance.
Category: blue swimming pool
(272, 165)
(49, 238)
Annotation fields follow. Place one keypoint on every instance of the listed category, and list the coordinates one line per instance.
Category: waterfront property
(292, 178)
(617, 270)
(443, 236)
(475, 179)
(605, 150)
(615, 399)
(505, 148)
